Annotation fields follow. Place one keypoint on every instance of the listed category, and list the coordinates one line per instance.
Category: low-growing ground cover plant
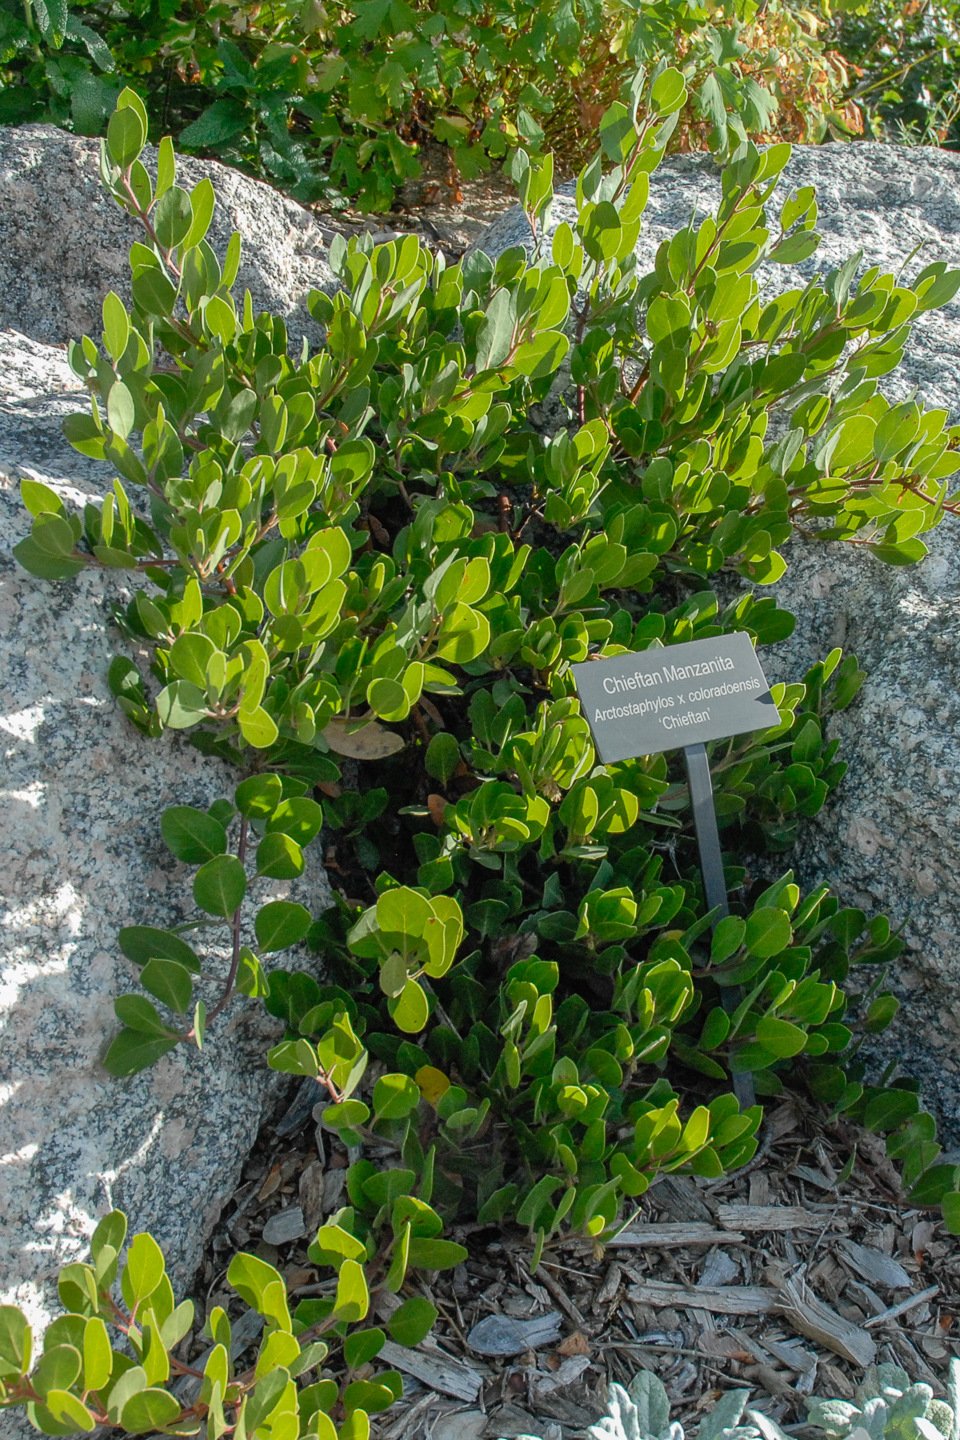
(361, 573)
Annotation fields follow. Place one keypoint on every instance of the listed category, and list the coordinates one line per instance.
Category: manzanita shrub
(360, 571)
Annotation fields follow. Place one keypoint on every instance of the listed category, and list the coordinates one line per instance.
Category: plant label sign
(674, 697)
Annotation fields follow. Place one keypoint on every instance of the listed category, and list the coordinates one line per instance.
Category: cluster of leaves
(888, 1406)
(111, 1359)
(338, 99)
(368, 549)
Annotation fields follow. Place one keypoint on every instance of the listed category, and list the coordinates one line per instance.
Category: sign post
(679, 697)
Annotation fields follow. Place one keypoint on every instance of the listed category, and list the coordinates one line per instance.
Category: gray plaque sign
(674, 697)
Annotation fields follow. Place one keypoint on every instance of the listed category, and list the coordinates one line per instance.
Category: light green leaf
(395, 1097)
(259, 796)
(181, 705)
(411, 1010)
(412, 1321)
(279, 858)
(144, 1269)
(353, 1297)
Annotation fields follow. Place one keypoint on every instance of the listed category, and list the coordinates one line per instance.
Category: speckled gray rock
(890, 837)
(64, 242)
(80, 855)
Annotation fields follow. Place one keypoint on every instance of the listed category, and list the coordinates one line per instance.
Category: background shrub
(337, 100)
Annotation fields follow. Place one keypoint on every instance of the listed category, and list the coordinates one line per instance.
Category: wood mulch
(787, 1278)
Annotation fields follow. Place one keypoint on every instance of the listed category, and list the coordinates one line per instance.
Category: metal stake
(714, 884)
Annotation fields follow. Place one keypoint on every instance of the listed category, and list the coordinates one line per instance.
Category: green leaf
(442, 757)
(173, 217)
(798, 246)
(279, 858)
(149, 1410)
(464, 634)
(261, 1286)
(728, 936)
(412, 1321)
(131, 1051)
(181, 704)
(780, 1036)
(126, 137)
(153, 292)
(139, 1013)
(668, 92)
(281, 923)
(495, 336)
(116, 325)
(542, 355)
(600, 230)
(950, 1206)
(203, 202)
(436, 1254)
(402, 911)
(768, 931)
(141, 943)
(294, 1057)
(333, 1245)
(300, 819)
(37, 560)
(166, 166)
(395, 1097)
(362, 1346)
(97, 1354)
(258, 727)
(259, 796)
(52, 18)
(410, 1011)
(120, 410)
(214, 126)
(388, 699)
(39, 499)
(192, 835)
(190, 657)
(69, 1413)
(220, 885)
(169, 982)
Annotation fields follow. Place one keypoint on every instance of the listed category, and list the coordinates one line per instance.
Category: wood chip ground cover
(787, 1278)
